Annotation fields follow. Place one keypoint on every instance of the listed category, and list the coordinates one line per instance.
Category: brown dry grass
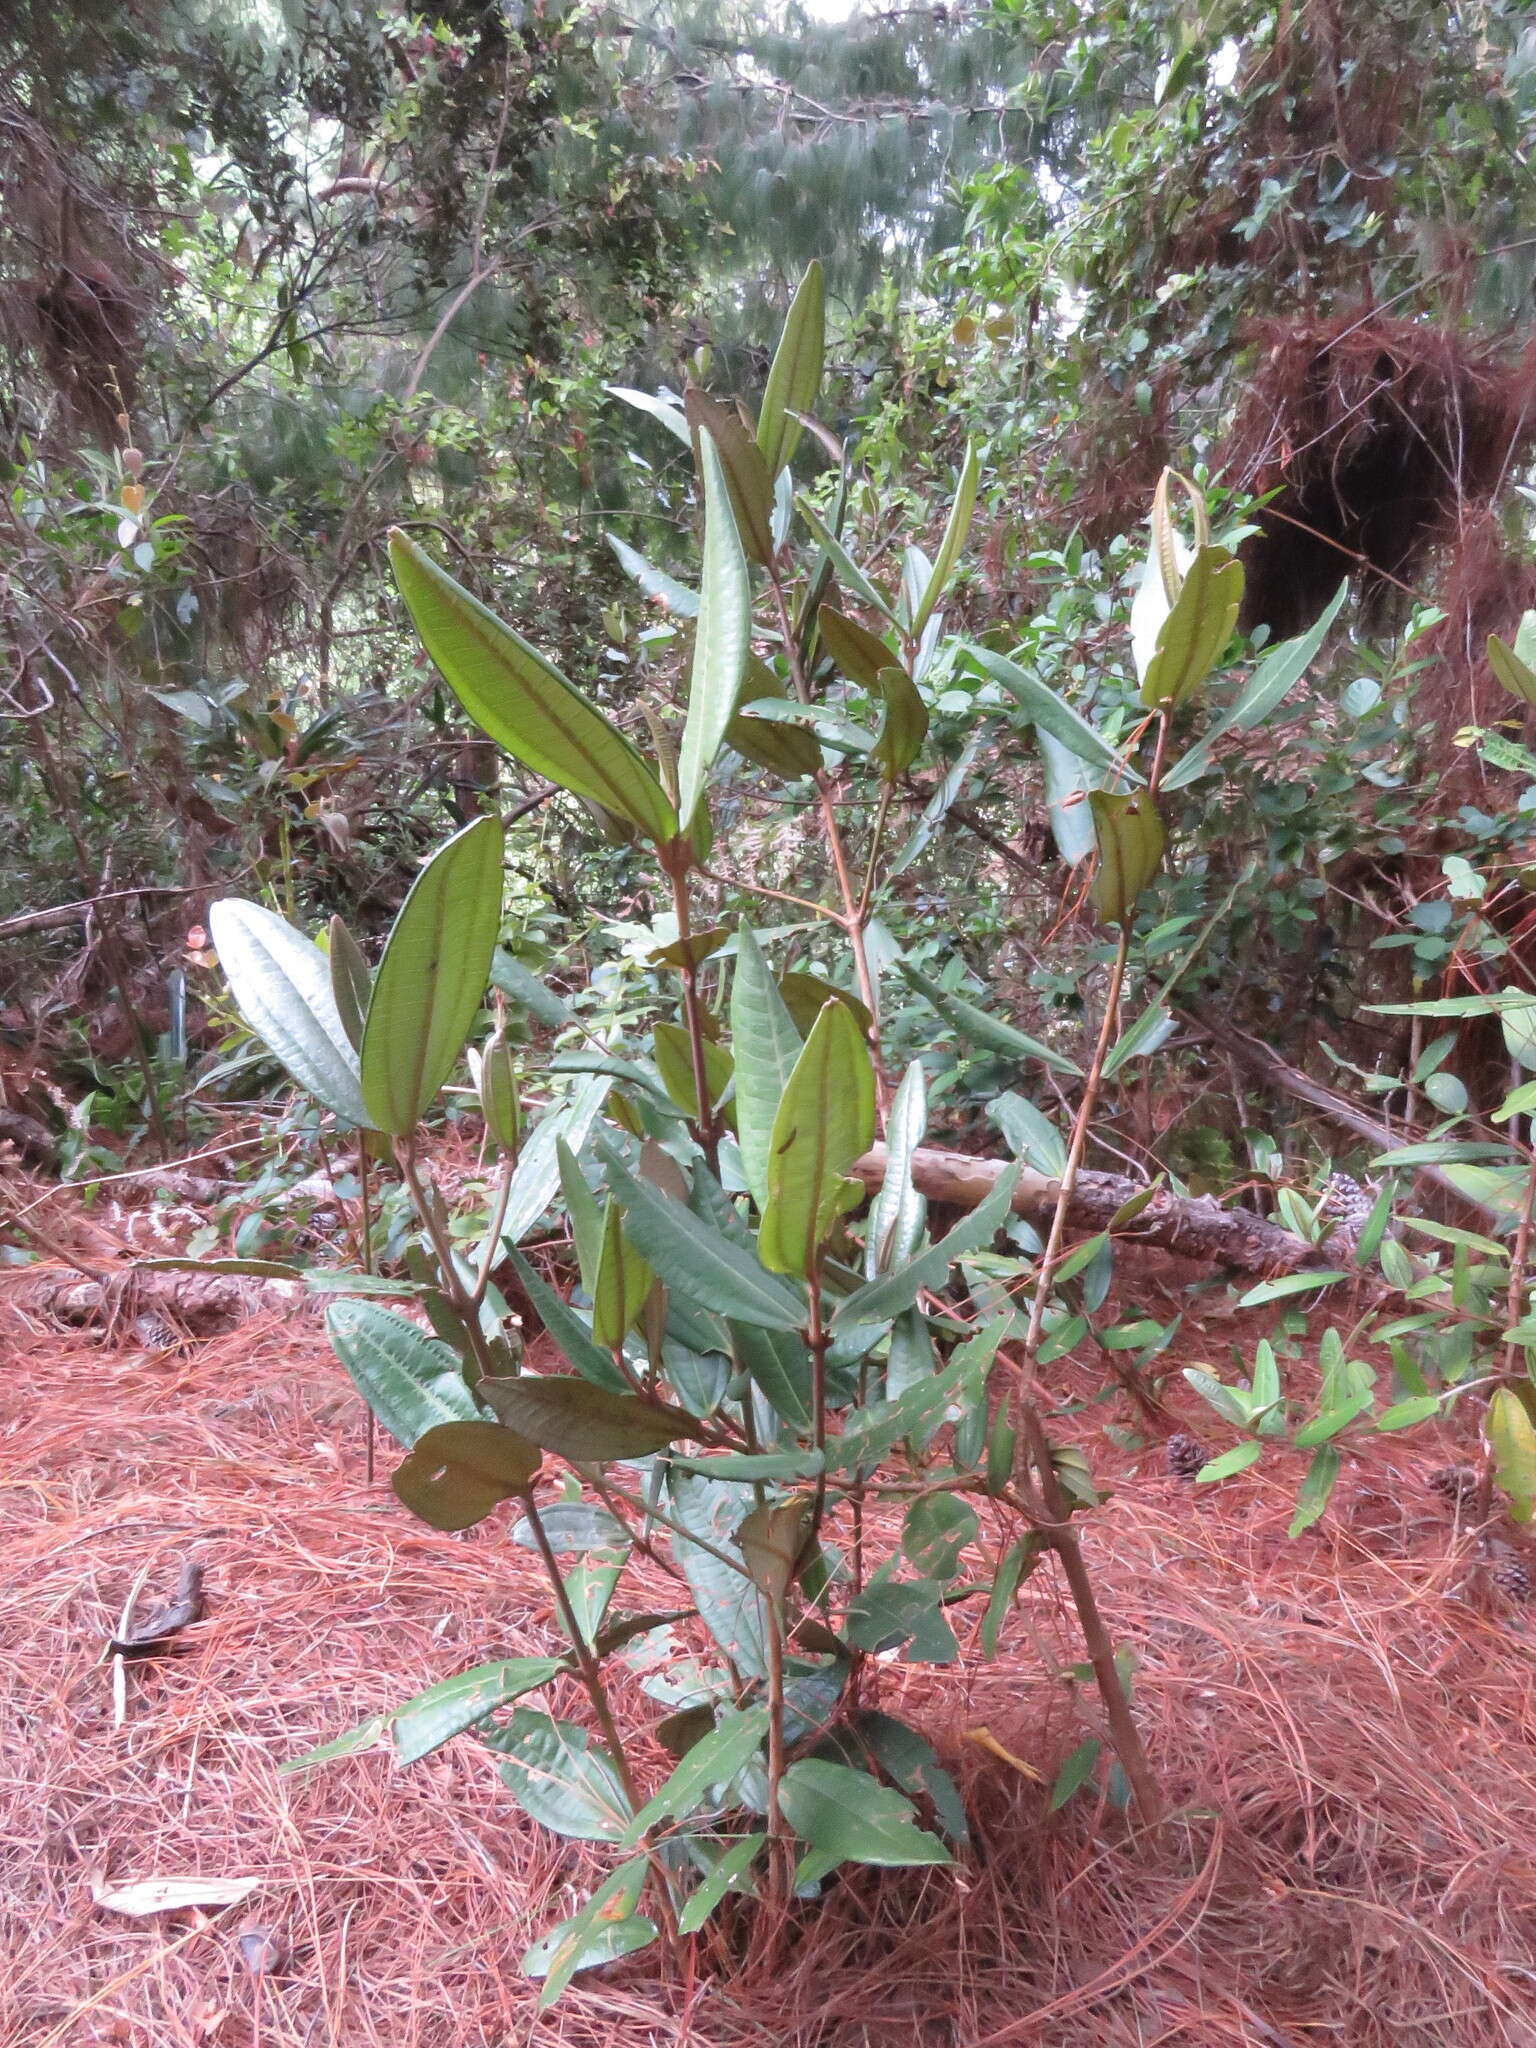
(1344, 1724)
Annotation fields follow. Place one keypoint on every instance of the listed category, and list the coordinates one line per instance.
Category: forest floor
(1345, 1726)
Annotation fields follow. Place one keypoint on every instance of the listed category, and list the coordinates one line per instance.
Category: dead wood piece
(203, 1303)
(31, 1139)
(1198, 1227)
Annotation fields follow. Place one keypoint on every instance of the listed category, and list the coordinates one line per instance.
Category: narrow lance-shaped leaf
(1516, 676)
(766, 1045)
(522, 701)
(1130, 838)
(896, 1214)
(720, 642)
(955, 531)
(859, 653)
(584, 1423)
(621, 1285)
(795, 378)
(905, 725)
(431, 980)
(1052, 713)
(351, 981)
(282, 984)
(746, 474)
(826, 1119)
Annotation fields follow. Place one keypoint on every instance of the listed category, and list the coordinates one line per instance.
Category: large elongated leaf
(859, 653)
(826, 1119)
(779, 1366)
(1274, 678)
(671, 416)
(570, 1335)
(1131, 841)
(528, 991)
(351, 981)
(795, 377)
(910, 1759)
(556, 1771)
(538, 1166)
(655, 583)
(1052, 713)
(955, 531)
(702, 1265)
(431, 980)
(766, 1045)
(1067, 781)
(1197, 629)
(523, 703)
(282, 984)
(728, 1873)
(746, 474)
(979, 1027)
(622, 1283)
(410, 1380)
(720, 643)
(1512, 1438)
(904, 726)
(848, 1816)
(896, 1215)
(454, 1704)
(882, 1300)
(715, 1760)
(579, 1421)
(730, 1605)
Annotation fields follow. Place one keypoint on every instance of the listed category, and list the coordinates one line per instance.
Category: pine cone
(1185, 1455)
(1455, 1484)
(1513, 1580)
(1348, 1205)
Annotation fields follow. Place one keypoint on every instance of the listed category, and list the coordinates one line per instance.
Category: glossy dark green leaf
(806, 995)
(459, 1471)
(824, 1122)
(794, 380)
(584, 1423)
(431, 980)
(561, 1776)
(410, 1380)
(907, 1614)
(454, 1704)
(1019, 1560)
(850, 1816)
(907, 1757)
(523, 703)
(281, 982)
(904, 726)
(858, 653)
(765, 1046)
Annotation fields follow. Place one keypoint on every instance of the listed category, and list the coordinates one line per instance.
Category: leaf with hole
(459, 1471)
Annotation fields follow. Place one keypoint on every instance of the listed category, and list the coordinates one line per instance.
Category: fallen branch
(1194, 1226)
(203, 1303)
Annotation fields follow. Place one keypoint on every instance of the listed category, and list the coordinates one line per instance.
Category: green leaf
(446, 1709)
(1316, 1486)
(566, 1330)
(907, 1757)
(730, 1605)
(824, 1122)
(351, 981)
(655, 583)
(1238, 1459)
(557, 1773)
(858, 653)
(1196, 631)
(732, 1743)
(1288, 1283)
(770, 1540)
(849, 574)
(909, 1612)
(458, 1472)
(875, 1427)
(584, 1423)
(351, 1744)
(522, 702)
(538, 1166)
(1274, 678)
(904, 726)
(765, 1045)
(1066, 784)
(1052, 714)
(673, 1052)
(955, 531)
(1408, 1414)
(698, 1262)
(851, 1817)
(1516, 676)
(410, 1381)
(1131, 840)
(897, 1214)
(586, 1218)
(1074, 1773)
(621, 1286)
(779, 1366)
(979, 1028)
(750, 1468)
(670, 416)
(281, 982)
(1019, 1560)
(528, 991)
(1512, 1439)
(431, 980)
(606, 1928)
(572, 1526)
(795, 377)
(726, 1875)
(720, 642)
(746, 474)
(882, 1300)
(937, 1528)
